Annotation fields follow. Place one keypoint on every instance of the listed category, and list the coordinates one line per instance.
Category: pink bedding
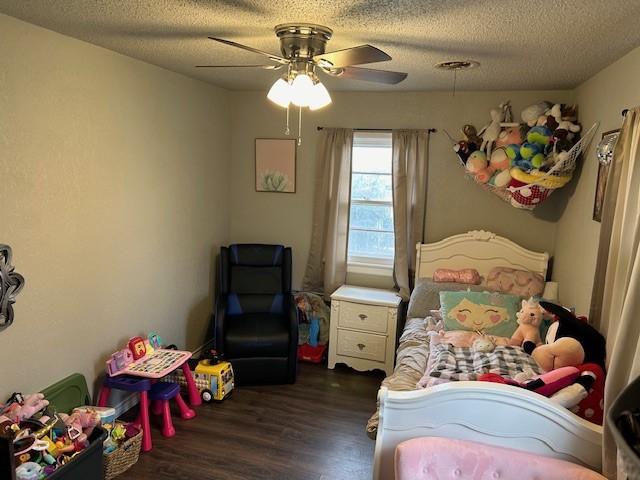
(457, 338)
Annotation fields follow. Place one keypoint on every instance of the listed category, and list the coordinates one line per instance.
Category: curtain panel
(410, 160)
(615, 308)
(326, 267)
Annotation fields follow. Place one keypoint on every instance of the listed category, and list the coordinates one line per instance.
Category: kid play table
(153, 366)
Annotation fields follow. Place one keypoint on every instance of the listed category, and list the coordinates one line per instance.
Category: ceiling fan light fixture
(320, 97)
(280, 93)
(301, 90)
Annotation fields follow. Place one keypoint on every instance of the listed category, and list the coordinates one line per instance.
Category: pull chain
(286, 130)
(455, 77)
(299, 126)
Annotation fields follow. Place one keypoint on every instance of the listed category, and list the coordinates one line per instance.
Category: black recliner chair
(255, 322)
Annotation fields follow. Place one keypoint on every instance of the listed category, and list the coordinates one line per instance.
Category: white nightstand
(363, 328)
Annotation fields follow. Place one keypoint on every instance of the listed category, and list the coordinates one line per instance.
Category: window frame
(367, 264)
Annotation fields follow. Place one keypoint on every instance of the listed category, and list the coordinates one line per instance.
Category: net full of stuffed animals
(524, 162)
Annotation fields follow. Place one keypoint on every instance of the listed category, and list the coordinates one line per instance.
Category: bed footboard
(488, 413)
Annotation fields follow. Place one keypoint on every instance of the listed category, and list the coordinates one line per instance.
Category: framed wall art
(604, 152)
(276, 165)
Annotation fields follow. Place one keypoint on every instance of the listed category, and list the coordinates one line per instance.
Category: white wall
(114, 196)
(601, 98)
(454, 205)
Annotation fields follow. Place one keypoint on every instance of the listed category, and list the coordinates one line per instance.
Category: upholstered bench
(431, 458)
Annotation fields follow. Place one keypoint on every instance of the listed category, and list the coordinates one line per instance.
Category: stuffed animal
(540, 136)
(490, 132)
(530, 318)
(531, 114)
(80, 424)
(471, 134)
(531, 154)
(484, 344)
(21, 407)
(509, 136)
(571, 342)
(464, 149)
(477, 166)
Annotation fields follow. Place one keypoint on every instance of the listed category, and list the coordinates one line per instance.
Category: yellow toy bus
(215, 381)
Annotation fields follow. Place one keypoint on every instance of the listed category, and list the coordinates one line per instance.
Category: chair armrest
(292, 312)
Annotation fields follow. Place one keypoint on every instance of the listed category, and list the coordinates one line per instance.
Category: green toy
(540, 136)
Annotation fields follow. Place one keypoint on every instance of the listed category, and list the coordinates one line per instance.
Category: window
(371, 238)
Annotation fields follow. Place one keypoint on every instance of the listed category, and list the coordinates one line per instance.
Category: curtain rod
(429, 130)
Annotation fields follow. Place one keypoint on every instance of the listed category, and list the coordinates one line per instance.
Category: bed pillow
(516, 282)
(493, 313)
(426, 296)
(466, 275)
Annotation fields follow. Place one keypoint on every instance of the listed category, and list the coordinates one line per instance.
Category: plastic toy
(137, 347)
(214, 379)
(119, 361)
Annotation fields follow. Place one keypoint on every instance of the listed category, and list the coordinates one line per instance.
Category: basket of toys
(121, 449)
(524, 163)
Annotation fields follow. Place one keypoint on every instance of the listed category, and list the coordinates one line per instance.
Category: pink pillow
(466, 275)
(516, 282)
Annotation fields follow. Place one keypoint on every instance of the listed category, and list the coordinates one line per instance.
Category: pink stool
(160, 394)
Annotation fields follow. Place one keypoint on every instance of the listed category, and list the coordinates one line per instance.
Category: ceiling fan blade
(351, 56)
(369, 75)
(275, 58)
(265, 67)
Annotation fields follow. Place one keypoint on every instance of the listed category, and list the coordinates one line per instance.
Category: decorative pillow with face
(492, 313)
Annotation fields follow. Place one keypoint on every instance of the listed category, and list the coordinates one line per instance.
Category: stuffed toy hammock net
(528, 190)
(503, 170)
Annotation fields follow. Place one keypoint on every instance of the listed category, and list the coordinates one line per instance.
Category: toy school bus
(213, 380)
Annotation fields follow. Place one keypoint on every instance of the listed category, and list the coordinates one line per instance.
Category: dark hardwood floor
(312, 430)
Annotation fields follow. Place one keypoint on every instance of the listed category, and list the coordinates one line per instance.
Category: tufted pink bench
(435, 458)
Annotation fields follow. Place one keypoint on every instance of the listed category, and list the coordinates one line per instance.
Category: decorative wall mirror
(11, 283)
(604, 152)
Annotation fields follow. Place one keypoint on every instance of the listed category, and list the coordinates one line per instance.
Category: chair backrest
(255, 278)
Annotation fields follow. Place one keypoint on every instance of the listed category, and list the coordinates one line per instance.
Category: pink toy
(529, 320)
(466, 275)
(119, 361)
(80, 424)
(24, 407)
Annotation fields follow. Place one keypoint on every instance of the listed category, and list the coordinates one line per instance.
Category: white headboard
(480, 250)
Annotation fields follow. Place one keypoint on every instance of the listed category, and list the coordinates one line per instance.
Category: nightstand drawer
(361, 345)
(372, 318)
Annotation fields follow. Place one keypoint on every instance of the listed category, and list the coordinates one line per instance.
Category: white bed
(477, 411)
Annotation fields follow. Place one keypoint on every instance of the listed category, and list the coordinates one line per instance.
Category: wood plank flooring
(312, 430)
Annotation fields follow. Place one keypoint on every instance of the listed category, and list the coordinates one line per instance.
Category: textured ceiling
(521, 44)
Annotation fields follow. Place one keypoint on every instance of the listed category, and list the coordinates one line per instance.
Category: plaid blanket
(457, 363)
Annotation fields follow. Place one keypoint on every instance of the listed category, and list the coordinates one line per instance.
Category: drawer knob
(362, 316)
(361, 346)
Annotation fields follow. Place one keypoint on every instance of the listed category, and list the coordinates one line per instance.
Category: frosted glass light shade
(320, 97)
(280, 93)
(301, 90)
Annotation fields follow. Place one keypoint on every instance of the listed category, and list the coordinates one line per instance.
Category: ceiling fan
(303, 54)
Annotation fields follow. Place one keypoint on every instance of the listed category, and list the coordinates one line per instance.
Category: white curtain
(410, 155)
(616, 301)
(327, 264)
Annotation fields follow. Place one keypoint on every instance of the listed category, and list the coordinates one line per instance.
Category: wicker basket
(125, 456)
